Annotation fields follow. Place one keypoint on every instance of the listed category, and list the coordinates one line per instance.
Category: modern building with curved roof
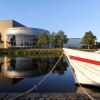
(24, 36)
(10, 30)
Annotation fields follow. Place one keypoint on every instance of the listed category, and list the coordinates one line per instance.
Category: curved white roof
(26, 31)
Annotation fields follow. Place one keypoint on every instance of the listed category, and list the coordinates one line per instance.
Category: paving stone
(49, 96)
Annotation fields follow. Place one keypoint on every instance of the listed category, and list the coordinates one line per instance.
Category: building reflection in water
(3, 73)
(14, 69)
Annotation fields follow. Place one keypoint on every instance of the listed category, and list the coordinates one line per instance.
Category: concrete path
(48, 96)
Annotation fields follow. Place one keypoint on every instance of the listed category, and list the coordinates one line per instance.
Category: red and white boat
(85, 66)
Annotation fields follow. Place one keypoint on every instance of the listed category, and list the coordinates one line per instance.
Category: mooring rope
(79, 83)
(35, 86)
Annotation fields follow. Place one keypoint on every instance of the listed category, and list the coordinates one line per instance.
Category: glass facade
(74, 43)
(24, 37)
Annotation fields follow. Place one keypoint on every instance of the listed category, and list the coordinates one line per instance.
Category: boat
(85, 66)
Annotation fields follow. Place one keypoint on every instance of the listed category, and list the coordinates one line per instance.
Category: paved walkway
(49, 96)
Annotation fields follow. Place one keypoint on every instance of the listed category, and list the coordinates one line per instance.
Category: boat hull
(85, 66)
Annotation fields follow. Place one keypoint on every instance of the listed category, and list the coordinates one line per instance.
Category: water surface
(18, 74)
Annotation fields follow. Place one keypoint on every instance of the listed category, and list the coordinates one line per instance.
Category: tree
(13, 41)
(1, 41)
(34, 41)
(89, 39)
(0, 37)
(43, 40)
(52, 39)
(61, 38)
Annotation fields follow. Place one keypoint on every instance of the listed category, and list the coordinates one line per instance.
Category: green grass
(31, 52)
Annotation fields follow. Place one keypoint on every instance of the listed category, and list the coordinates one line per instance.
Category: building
(4, 25)
(11, 30)
(74, 43)
(24, 36)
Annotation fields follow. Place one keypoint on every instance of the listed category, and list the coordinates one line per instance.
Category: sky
(74, 17)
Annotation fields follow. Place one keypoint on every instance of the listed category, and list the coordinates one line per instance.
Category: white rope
(79, 83)
(35, 86)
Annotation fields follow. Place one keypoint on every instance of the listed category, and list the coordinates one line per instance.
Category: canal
(19, 74)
